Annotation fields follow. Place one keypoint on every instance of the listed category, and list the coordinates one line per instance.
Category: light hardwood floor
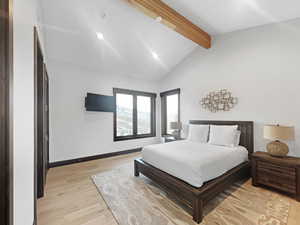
(72, 199)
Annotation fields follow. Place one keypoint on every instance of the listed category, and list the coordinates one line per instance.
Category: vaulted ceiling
(112, 37)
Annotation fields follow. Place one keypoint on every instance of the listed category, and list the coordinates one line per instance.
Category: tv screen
(100, 103)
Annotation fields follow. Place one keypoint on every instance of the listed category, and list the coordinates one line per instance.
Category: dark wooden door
(6, 150)
(46, 121)
(42, 119)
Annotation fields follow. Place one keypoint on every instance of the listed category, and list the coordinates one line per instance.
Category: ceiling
(223, 16)
(112, 37)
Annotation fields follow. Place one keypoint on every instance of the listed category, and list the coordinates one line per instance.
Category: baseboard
(94, 157)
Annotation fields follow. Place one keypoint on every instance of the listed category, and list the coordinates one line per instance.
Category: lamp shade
(175, 125)
(276, 132)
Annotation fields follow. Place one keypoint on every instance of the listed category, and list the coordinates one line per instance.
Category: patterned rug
(138, 201)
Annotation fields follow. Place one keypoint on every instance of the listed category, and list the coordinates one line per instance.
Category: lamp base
(277, 149)
(176, 133)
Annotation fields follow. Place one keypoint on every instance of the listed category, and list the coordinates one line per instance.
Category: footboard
(180, 190)
(193, 198)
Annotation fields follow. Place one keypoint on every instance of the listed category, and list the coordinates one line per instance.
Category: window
(170, 108)
(135, 115)
(124, 114)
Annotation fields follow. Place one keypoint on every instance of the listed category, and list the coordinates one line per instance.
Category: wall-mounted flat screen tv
(100, 103)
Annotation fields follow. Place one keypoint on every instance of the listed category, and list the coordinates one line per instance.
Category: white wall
(260, 66)
(24, 21)
(75, 133)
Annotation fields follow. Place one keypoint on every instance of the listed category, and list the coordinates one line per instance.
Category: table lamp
(176, 127)
(277, 133)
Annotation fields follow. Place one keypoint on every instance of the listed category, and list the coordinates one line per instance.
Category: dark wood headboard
(246, 128)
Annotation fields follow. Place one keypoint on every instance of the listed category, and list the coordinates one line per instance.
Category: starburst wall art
(221, 100)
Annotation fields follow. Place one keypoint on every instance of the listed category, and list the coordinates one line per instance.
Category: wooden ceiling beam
(169, 17)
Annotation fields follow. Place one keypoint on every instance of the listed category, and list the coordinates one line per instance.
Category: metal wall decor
(221, 100)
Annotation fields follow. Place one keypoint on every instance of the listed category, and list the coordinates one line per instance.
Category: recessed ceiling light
(155, 56)
(100, 36)
(158, 19)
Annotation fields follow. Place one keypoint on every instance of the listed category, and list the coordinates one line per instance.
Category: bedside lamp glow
(277, 133)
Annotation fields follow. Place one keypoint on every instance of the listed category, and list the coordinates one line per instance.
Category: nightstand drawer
(279, 173)
(282, 182)
(276, 169)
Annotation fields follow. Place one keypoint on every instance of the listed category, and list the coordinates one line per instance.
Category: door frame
(6, 113)
(35, 198)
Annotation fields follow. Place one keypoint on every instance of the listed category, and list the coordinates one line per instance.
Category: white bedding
(194, 162)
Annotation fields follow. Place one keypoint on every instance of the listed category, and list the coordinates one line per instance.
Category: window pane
(124, 114)
(172, 111)
(144, 115)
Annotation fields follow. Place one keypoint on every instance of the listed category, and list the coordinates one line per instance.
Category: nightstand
(171, 139)
(280, 173)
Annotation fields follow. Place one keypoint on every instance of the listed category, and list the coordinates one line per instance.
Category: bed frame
(196, 198)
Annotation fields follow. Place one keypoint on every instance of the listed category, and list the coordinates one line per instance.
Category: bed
(194, 162)
(195, 182)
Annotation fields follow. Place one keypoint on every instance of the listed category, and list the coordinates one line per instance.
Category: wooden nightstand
(279, 173)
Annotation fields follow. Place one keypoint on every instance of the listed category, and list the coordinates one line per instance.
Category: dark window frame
(163, 97)
(6, 112)
(135, 125)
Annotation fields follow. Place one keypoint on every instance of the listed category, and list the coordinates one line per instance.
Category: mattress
(194, 162)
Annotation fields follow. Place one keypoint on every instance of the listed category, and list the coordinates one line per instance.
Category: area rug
(138, 201)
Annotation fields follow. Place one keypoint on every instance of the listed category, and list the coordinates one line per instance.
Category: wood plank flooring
(72, 199)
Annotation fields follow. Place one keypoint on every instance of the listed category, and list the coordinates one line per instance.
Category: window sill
(133, 137)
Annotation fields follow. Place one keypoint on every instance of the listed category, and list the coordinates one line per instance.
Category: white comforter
(194, 162)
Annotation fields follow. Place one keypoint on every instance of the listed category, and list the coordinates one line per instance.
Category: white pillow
(198, 133)
(237, 138)
(223, 135)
